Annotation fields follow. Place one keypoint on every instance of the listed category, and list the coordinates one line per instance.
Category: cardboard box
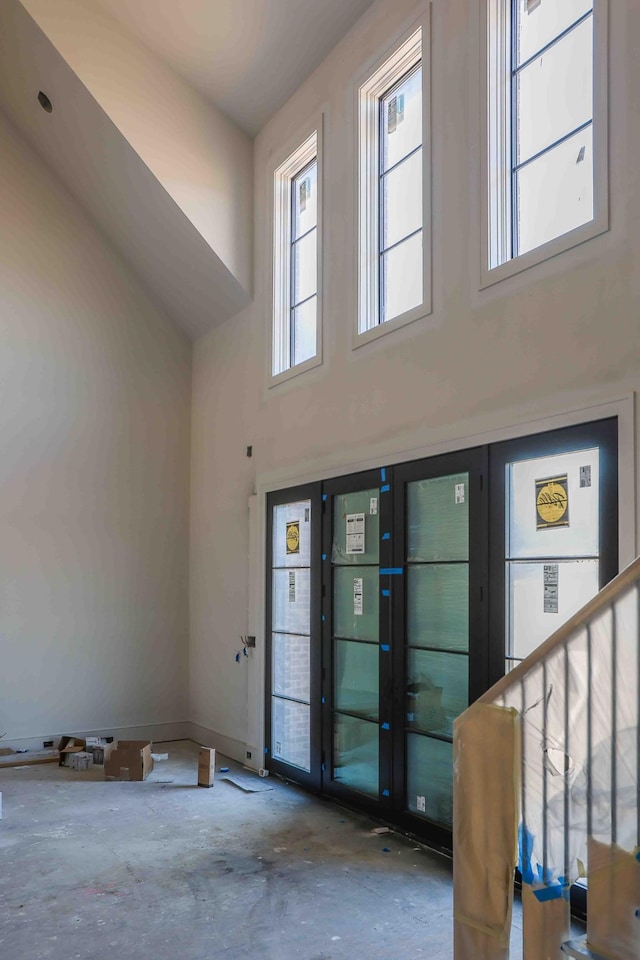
(128, 760)
(80, 761)
(69, 745)
(206, 766)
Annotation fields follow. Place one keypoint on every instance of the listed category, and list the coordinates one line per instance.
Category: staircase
(546, 768)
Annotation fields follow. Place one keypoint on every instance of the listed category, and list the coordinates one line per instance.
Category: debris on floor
(206, 766)
(381, 830)
(28, 758)
(248, 783)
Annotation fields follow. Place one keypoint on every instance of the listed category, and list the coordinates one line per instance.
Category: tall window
(296, 249)
(393, 191)
(545, 142)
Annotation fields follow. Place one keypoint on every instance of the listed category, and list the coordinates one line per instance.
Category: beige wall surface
(553, 341)
(94, 432)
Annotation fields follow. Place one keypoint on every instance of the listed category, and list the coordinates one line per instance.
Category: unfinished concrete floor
(165, 869)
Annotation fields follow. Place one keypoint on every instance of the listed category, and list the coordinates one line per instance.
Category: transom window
(400, 197)
(296, 260)
(393, 240)
(544, 172)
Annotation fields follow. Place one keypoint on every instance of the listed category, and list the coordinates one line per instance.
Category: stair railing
(546, 771)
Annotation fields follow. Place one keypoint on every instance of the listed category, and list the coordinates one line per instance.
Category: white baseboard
(227, 746)
(157, 732)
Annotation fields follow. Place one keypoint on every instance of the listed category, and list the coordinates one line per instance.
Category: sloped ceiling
(246, 56)
(141, 133)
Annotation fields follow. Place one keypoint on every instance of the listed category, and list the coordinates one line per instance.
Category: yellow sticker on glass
(293, 537)
(552, 502)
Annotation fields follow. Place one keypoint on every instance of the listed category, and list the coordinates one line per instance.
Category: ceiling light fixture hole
(44, 102)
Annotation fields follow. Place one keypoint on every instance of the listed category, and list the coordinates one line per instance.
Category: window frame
(308, 150)
(496, 153)
(408, 50)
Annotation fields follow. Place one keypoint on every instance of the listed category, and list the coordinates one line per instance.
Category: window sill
(292, 372)
(546, 252)
(374, 333)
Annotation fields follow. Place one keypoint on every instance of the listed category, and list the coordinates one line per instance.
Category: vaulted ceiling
(246, 56)
(154, 106)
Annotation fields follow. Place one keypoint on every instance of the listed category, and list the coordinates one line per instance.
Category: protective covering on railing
(579, 718)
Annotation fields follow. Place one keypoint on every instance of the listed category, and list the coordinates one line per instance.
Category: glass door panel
(293, 729)
(554, 543)
(437, 637)
(352, 638)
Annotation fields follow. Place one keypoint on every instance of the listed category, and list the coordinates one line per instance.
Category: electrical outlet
(248, 754)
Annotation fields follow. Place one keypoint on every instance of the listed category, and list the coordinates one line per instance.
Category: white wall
(554, 341)
(202, 159)
(94, 497)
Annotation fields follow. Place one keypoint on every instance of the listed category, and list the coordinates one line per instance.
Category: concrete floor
(165, 869)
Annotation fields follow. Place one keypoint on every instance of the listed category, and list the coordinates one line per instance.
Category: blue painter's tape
(385, 726)
(386, 536)
(385, 647)
(324, 556)
(391, 571)
(324, 496)
(324, 766)
(266, 749)
(385, 488)
(383, 474)
(385, 793)
(386, 593)
(556, 891)
(323, 700)
(525, 846)
(411, 717)
(638, 856)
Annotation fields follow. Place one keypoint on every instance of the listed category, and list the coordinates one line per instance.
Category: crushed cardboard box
(69, 745)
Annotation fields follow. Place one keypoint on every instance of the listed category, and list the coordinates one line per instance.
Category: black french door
(397, 596)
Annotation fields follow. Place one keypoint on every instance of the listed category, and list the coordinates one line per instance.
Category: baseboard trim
(227, 746)
(157, 732)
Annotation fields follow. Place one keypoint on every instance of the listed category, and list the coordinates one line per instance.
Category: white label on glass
(585, 476)
(355, 533)
(551, 588)
(421, 804)
(292, 586)
(459, 492)
(373, 506)
(278, 747)
(357, 596)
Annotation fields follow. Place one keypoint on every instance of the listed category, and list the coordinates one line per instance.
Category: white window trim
(310, 148)
(496, 113)
(410, 48)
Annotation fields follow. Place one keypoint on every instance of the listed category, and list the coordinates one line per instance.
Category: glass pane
(541, 597)
(430, 778)
(346, 507)
(305, 282)
(356, 592)
(290, 732)
(539, 21)
(291, 666)
(356, 754)
(555, 92)
(305, 200)
(555, 192)
(402, 278)
(438, 518)
(437, 690)
(402, 120)
(356, 679)
(402, 200)
(530, 483)
(438, 606)
(304, 330)
(291, 601)
(292, 534)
